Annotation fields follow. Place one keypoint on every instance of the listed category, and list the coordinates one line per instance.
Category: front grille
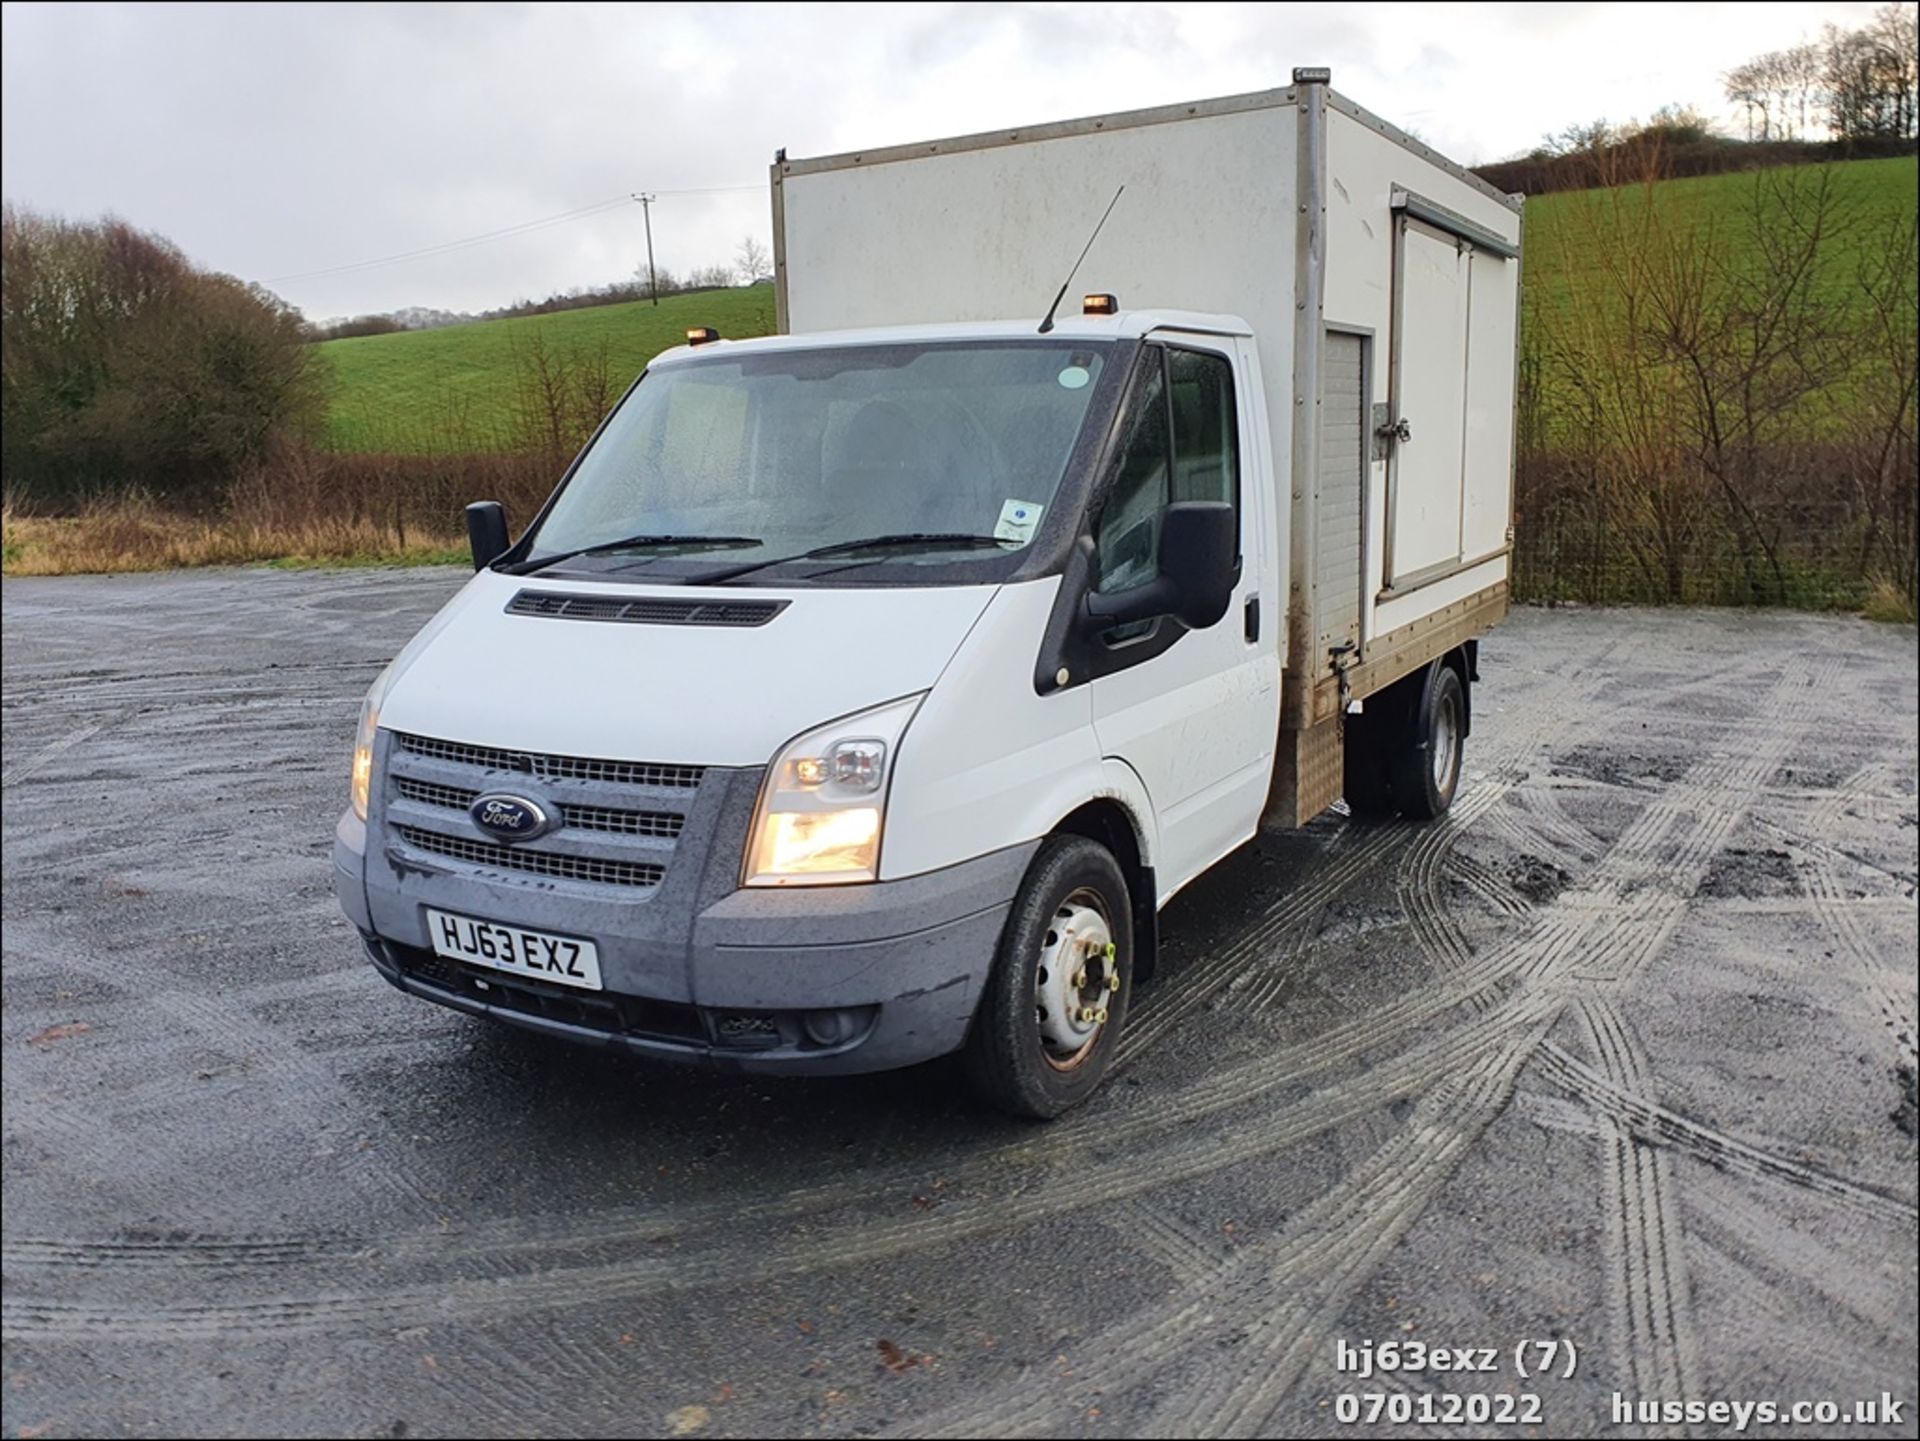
(550, 767)
(539, 863)
(648, 610)
(585, 818)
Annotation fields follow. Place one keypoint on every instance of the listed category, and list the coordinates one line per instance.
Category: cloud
(277, 140)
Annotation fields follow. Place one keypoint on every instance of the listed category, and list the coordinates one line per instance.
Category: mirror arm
(1145, 601)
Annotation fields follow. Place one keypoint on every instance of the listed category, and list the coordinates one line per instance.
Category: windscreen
(788, 451)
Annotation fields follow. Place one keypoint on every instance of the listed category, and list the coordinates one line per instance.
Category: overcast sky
(275, 141)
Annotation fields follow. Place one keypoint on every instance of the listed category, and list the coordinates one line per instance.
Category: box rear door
(1428, 389)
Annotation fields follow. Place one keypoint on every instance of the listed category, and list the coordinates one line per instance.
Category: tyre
(1426, 764)
(1057, 997)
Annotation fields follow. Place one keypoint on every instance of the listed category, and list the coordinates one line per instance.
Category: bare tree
(1896, 28)
(751, 261)
(1743, 88)
(1868, 84)
(1802, 68)
(1875, 410)
(1739, 317)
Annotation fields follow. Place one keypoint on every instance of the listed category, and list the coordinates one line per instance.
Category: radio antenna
(1047, 324)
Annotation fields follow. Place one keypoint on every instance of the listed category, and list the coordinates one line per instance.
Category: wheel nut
(1079, 979)
(1101, 1015)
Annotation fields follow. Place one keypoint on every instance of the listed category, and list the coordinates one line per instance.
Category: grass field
(1566, 231)
(423, 390)
(440, 390)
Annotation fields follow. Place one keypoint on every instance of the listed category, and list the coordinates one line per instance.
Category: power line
(525, 227)
(481, 239)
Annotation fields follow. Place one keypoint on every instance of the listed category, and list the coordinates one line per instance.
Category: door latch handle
(1253, 618)
(1400, 431)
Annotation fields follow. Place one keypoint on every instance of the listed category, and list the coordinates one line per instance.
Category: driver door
(1195, 713)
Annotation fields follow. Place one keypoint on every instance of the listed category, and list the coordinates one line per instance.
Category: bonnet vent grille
(644, 610)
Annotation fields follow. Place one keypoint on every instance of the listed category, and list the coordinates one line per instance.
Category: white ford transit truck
(863, 692)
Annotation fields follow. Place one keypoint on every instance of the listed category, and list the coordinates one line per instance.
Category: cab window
(1182, 445)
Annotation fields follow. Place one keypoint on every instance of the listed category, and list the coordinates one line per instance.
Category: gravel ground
(1619, 1054)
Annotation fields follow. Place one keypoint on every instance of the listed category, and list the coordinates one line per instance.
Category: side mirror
(1198, 542)
(486, 532)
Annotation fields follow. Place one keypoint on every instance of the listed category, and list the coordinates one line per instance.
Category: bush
(126, 366)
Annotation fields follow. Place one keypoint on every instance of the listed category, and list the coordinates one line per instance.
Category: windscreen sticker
(1017, 521)
(1074, 377)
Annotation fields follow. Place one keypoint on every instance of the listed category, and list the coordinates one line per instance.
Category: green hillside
(1567, 232)
(441, 390)
(1587, 250)
(450, 390)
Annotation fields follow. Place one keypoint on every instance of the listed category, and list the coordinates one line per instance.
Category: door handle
(1253, 618)
(1400, 431)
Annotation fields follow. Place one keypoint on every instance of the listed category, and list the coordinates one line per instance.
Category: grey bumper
(847, 978)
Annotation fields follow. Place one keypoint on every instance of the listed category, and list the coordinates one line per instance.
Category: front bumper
(827, 980)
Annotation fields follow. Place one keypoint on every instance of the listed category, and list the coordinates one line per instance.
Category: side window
(1206, 451)
(1184, 446)
(1127, 537)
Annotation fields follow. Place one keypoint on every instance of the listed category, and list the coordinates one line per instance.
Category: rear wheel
(1426, 765)
(1048, 1024)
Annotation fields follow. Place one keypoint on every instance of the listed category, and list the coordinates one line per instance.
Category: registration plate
(563, 960)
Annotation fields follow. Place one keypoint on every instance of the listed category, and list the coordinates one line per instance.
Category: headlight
(362, 782)
(824, 801)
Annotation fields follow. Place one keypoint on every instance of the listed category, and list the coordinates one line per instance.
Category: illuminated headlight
(362, 778)
(824, 802)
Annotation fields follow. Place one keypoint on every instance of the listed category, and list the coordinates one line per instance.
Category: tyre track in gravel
(1325, 1108)
(1528, 725)
(57, 748)
(1495, 891)
(1419, 887)
(1176, 1243)
(1617, 911)
(309, 1089)
(1375, 845)
(1377, 1030)
(1599, 1095)
(1653, 1339)
(1217, 1091)
(1818, 870)
(497, 1273)
(1421, 879)
(1230, 1316)
(1650, 1311)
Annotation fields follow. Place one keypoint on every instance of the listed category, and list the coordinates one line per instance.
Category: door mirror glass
(1195, 572)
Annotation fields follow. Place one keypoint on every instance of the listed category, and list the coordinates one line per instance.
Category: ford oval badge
(508, 817)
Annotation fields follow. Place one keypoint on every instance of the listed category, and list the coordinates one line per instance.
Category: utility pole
(653, 281)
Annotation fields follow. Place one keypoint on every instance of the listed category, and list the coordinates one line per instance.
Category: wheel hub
(1076, 980)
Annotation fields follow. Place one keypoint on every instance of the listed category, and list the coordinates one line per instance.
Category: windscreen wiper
(909, 540)
(639, 542)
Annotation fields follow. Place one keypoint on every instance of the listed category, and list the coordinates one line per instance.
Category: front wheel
(1050, 1020)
